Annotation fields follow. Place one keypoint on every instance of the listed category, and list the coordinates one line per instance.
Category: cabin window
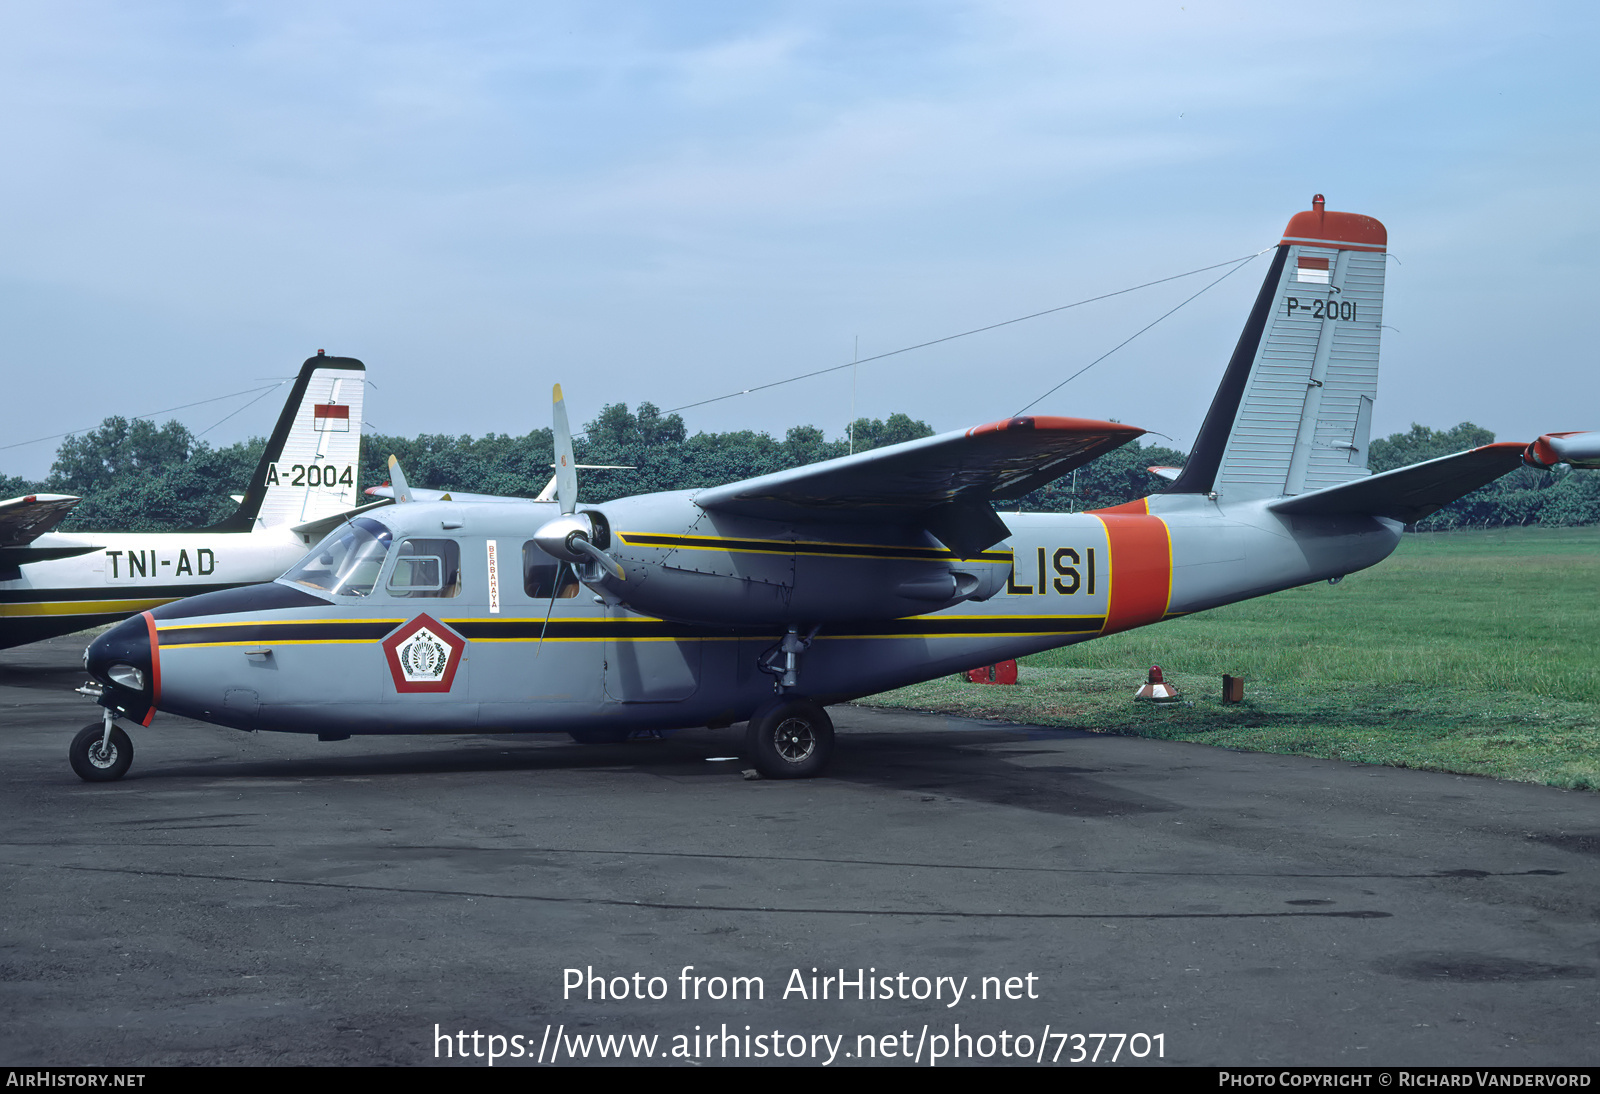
(347, 561)
(426, 567)
(539, 573)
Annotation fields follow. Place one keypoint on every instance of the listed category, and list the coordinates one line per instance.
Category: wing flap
(1408, 494)
(22, 520)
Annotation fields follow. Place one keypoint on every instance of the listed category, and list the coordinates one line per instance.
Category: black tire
(790, 739)
(88, 761)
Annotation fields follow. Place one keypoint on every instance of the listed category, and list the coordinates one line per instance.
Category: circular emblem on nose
(423, 655)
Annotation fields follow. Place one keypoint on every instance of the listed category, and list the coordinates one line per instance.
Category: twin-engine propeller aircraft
(55, 583)
(768, 599)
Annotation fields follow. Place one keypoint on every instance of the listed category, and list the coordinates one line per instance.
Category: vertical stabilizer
(1294, 411)
(309, 468)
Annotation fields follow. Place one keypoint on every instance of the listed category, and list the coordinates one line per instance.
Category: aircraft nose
(127, 660)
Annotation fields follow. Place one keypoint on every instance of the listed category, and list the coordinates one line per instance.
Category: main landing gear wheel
(790, 739)
(94, 764)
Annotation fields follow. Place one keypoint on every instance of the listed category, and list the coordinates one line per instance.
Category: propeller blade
(607, 563)
(402, 489)
(554, 589)
(566, 470)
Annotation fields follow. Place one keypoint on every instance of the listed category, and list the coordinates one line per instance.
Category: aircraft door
(651, 670)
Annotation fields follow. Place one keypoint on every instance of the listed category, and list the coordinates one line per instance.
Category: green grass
(1473, 652)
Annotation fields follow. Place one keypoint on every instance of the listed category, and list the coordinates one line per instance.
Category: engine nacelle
(742, 572)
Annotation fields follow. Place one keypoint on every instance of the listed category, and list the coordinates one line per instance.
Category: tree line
(139, 477)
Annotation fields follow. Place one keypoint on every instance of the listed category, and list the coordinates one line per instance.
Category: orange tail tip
(1344, 231)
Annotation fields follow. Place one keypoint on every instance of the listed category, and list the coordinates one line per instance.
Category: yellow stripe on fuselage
(737, 545)
(81, 607)
(256, 622)
(267, 643)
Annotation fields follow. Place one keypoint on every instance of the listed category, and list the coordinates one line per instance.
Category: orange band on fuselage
(1140, 507)
(155, 667)
(1141, 569)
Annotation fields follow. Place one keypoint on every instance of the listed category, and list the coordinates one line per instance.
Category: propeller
(397, 477)
(566, 471)
(570, 537)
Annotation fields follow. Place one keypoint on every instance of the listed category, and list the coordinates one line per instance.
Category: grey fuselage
(680, 642)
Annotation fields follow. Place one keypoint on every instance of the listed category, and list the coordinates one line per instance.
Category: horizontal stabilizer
(936, 482)
(1409, 493)
(23, 520)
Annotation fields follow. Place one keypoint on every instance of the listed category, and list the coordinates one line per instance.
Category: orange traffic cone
(1156, 690)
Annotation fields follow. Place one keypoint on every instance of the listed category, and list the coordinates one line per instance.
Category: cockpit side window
(539, 573)
(426, 568)
(347, 561)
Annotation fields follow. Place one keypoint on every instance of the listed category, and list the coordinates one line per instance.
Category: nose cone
(127, 659)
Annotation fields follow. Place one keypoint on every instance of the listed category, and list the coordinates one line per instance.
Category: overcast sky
(670, 201)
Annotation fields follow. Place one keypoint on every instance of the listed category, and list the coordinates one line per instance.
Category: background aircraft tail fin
(1294, 411)
(309, 468)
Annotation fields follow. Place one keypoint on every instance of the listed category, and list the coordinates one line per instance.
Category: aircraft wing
(314, 530)
(943, 483)
(386, 491)
(1410, 493)
(23, 520)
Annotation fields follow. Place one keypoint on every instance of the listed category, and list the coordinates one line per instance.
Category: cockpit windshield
(347, 562)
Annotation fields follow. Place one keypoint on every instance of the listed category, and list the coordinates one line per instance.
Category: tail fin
(309, 468)
(1294, 411)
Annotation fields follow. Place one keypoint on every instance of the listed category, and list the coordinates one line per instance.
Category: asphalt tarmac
(267, 899)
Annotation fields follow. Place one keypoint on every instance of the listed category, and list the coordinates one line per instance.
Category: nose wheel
(790, 739)
(98, 756)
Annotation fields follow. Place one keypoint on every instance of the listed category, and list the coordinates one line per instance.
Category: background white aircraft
(56, 583)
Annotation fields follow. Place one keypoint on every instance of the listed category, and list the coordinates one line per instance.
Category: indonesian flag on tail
(1312, 269)
(335, 417)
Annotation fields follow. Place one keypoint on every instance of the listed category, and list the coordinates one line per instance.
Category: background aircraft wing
(314, 530)
(1410, 493)
(943, 483)
(386, 491)
(24, 519)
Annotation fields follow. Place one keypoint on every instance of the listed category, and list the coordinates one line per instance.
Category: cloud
(628, 185)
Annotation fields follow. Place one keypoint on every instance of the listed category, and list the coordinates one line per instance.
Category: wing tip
(1052, 424)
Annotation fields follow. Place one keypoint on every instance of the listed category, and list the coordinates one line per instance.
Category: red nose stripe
(155, 667)
(1141, 570)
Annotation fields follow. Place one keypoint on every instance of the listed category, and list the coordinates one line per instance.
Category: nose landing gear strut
(101, 752)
